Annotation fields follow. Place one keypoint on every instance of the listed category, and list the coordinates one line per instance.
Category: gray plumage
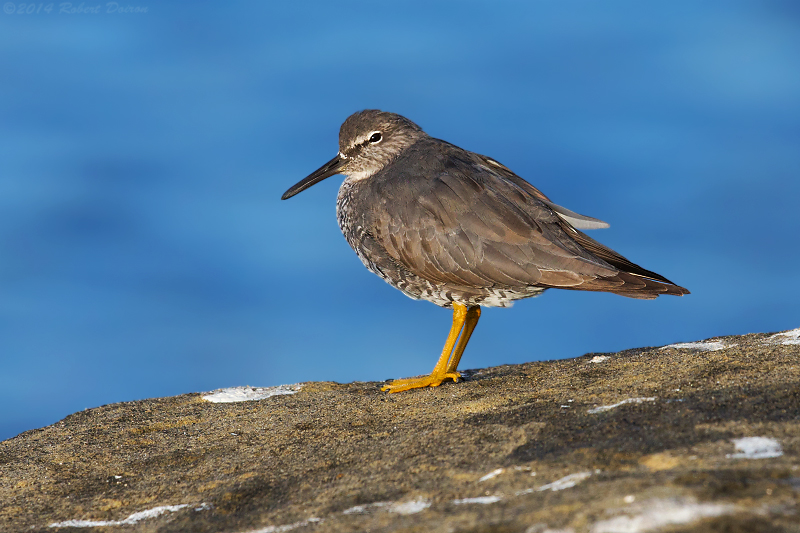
(447, 225)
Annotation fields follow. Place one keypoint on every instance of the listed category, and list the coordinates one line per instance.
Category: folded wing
(476, 224)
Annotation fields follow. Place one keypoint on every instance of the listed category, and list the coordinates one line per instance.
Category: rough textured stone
(538, 447)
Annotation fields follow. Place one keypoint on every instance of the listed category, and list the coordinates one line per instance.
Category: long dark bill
(325, 171)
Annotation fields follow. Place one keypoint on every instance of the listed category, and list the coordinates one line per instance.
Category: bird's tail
(632, 280)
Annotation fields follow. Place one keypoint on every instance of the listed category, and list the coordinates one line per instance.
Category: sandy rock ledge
(691, 437)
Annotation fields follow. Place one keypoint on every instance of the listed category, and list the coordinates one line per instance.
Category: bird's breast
(350, 216)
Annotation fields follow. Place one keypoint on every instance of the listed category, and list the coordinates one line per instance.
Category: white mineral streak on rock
(411, 507)
(565, 482)
(132, 519)
(493, 473)
(287, 527)
(480, 499)
(657, 514)
(247, 394)
(364, 509)
(707, 346)
(542, 528)
(787, 337)
(756, 448)
(615, 405)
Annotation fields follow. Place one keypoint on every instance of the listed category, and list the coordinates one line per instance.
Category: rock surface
(697, 437)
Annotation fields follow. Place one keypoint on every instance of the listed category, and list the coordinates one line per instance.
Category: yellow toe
(434, 380)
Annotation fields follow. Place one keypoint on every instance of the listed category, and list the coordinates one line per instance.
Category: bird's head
(368, 141)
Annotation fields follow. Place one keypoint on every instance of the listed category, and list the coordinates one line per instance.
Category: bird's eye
(376, 137)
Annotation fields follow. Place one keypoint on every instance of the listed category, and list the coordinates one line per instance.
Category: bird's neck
(344, 211)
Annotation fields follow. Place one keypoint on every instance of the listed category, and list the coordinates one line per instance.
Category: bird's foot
(434, 380)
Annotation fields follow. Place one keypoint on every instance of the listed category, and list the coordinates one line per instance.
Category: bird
(461, 230)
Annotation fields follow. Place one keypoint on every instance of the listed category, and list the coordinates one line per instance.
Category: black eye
(376, 137)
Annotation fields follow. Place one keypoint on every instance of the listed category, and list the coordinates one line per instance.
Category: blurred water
(145, 252)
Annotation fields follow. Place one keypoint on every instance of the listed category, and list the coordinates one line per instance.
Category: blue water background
(144, 250)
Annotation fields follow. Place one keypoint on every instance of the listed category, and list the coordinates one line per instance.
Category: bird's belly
(441, 294)
(444, 295)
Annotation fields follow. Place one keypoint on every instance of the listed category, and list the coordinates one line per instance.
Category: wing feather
(457, 218)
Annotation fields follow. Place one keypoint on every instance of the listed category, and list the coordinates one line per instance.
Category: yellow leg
(473, 314)
(444, 369)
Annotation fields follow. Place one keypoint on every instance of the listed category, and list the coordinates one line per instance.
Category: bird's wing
(634, 277)
(574, 219)
(449, 220)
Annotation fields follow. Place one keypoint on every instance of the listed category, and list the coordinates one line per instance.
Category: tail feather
(632, 280)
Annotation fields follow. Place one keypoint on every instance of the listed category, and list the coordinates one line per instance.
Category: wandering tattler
(461, 230)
